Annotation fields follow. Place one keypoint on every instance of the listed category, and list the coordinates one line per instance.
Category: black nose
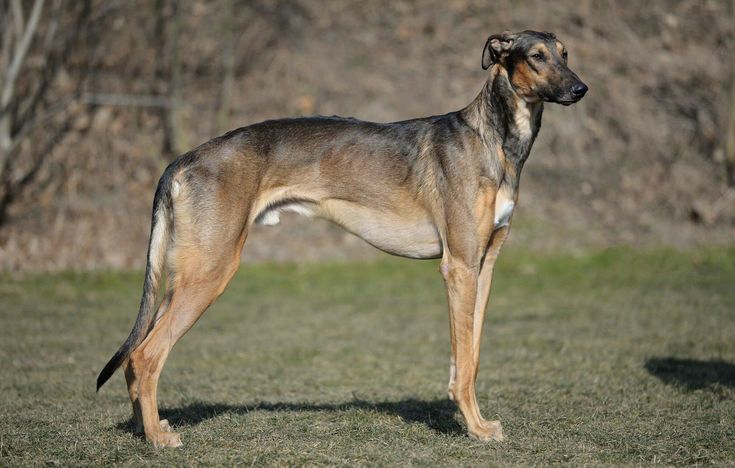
(579, 89)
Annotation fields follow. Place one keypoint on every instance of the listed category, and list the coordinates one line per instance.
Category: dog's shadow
(438, 415)
(692, 374)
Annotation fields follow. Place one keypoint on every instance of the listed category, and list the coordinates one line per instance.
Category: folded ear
(496, 47)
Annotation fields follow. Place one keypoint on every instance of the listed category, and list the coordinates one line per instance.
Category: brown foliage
(641, 159)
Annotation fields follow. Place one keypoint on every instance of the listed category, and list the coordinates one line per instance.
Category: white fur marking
(175, 189)
(156, 257)
(298, 209)
(272, 216)
(522, 118)
(503, 212)
(269, 218)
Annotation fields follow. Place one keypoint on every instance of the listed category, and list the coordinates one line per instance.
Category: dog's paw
(488, 430)
(165, 426)
(166, 439)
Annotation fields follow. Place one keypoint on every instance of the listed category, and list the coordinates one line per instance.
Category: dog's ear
(496, 47)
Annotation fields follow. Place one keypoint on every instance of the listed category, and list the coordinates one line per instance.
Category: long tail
(160, 235)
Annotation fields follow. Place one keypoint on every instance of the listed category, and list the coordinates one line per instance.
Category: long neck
(507, 123)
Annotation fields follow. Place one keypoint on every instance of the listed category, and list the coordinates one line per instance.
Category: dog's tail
(161, 231)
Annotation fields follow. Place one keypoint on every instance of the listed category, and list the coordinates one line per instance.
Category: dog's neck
(506, 123)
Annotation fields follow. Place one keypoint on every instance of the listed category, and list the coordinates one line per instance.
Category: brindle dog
(436, 187)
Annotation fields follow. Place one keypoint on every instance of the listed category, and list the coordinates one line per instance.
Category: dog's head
(536, 63)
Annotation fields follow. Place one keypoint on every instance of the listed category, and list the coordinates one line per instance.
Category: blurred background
(609, 339)
(97, 97)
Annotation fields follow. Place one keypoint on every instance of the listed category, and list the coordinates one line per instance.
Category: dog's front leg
(484, 283)
(461, 281)
(483, 288)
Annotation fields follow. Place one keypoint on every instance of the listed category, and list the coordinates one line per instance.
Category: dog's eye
(564, 55)
(538, 57)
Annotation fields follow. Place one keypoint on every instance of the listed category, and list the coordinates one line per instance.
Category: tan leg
(132, 380)
(484, 214)
(452, 358)
(483, 293)
(198, 282)
(461, 282)
(147, 362)
(483, 287)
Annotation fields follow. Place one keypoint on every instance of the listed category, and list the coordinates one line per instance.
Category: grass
(614, 357)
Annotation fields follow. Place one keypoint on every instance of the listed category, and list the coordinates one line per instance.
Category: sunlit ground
(616, 356)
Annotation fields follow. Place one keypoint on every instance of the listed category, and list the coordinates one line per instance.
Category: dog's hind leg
(132, 379)
(210, 227)
(199, 280)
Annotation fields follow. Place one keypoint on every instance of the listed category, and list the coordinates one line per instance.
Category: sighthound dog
(436, 187)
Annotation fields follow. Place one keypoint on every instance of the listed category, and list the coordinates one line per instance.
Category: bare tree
(169, 73)
(730, 139)
(26, 85)
(16, 40)
(224, 106)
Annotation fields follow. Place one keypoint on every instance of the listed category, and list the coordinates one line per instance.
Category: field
(611, 357)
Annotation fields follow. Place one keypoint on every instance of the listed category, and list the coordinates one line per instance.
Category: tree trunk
(224, 108)
(730, 143)
(179, 138)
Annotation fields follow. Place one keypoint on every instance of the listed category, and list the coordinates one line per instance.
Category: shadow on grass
(437, 414)
(692, 374)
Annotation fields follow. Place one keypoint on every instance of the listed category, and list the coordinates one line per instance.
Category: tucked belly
(409, 233)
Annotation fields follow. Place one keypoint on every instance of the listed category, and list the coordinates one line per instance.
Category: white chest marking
(503, 212)
(522, 118)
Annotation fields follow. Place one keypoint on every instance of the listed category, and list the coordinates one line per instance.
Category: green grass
(615, 357)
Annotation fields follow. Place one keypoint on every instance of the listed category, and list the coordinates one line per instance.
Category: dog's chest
(523, 119)
(504, 205)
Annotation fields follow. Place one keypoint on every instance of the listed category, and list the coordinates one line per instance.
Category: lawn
(610, 357)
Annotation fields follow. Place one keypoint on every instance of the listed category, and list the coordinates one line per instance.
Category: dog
(437, 187)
